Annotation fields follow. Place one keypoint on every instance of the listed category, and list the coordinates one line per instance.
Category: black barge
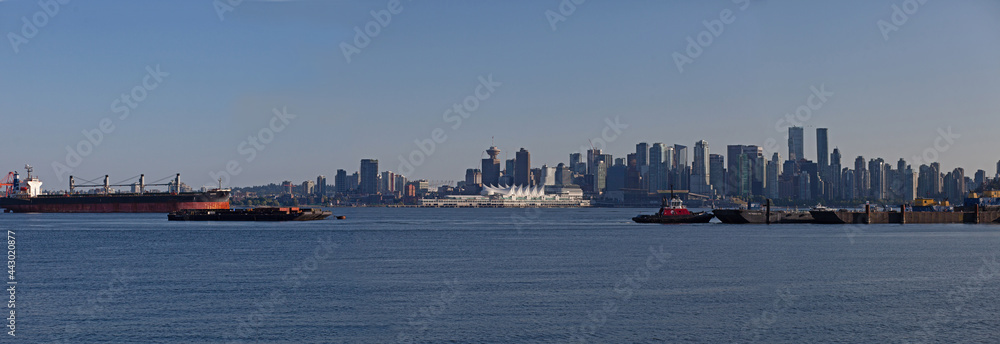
(252, 214)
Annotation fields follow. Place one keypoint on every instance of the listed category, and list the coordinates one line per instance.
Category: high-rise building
(909, 181)
(591, 156)
(564, 176)
(642, 164)
(616, 175)
(575, 163)
(958, 189)
(656, 173)
(681, 170)
(773, 171)
(717, 172)
(473, 176)
(822, 150)
(600, 176)
(369, 177)
(491, 167)
(700, 172)
(876, 173)
(980, 179)
(522, 171)
(341, 182)
(633, 178)
(998, 169)
(401, 183)
(387, 184)
(548, 175)
(935, 180)
(308, 187)
(320, 186)
(847, 183)
(755, 155)
(835, 180)
(509, 169)
(796, 144)
(642, 154)
(860, 178)
(354, 181)
(744, 175)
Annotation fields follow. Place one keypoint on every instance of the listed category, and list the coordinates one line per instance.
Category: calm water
(499, 275)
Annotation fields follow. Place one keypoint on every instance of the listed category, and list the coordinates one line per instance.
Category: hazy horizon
(210, 76)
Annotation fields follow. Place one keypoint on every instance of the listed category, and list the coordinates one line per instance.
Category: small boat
(674, 212)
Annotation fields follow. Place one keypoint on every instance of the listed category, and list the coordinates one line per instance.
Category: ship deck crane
(142, 184)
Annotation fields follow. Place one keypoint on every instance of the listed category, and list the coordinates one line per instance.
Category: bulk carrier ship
(25, 196)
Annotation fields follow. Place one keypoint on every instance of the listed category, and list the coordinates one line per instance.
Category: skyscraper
(754, 155)
(836, 181)
(320, 186)
(935, 179)
(548, 175)
(633, 180)
(980, 178)
(773, 171)
(522, 170)
(564, 176)
(387, 184)
(341, 182)
(717, 171)
(642, 154)
(642, 164)
(822, 151)
(681, 170)
(369, 177)
(700, 172)
(860, 178)
(958, 191)
(491, 167)
(656, 173)
(473, 177)
(876, 172)
(796, 144)
(575, 163)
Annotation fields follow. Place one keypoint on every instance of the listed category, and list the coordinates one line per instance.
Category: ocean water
(499, 276)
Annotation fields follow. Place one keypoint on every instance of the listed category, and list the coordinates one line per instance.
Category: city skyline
(210, 83)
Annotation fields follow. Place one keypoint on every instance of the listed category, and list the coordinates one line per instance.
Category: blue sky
(607, 60)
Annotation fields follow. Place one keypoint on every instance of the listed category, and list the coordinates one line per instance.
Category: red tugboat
(675, 212)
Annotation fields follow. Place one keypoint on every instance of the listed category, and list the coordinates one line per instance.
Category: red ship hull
(118, 203)
(115, 207)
